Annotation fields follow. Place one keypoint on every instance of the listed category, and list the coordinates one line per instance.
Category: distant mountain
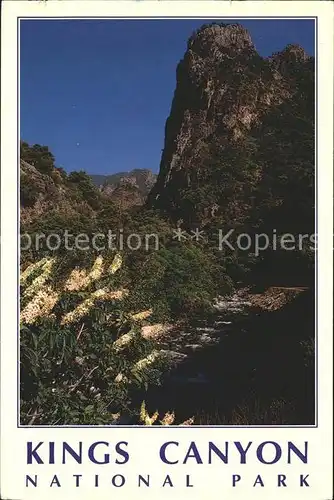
(48, 192)
(138, 179)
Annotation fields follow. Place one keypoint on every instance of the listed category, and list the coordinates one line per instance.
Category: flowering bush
(82, 353)
(167, 419)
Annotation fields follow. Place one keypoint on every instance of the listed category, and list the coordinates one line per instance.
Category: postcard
(166, 250)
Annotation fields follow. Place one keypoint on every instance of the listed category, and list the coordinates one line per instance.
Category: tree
(38, 156)
(84, 185)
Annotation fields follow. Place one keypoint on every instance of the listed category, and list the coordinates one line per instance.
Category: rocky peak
(289, 60)
(215, 38)
(292, 53)
(223, 89)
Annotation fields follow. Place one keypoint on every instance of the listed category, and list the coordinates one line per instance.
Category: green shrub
(82, 355)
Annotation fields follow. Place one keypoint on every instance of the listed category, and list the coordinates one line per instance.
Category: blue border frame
(222, 18)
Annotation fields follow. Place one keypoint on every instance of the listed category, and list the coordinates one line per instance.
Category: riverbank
(248, 363)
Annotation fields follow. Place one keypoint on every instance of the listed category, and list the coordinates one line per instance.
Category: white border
(211, 479)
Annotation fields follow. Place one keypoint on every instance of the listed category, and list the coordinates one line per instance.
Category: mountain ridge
(142, 178)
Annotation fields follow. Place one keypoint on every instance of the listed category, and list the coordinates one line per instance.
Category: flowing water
(239, 356)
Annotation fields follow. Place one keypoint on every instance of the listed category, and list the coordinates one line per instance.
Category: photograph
(167, 221)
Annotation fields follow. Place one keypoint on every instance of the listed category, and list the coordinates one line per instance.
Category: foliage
(251, 412)
(38, 156)
(178, 281)
(82, 356)
(167, 419)
(85, 187)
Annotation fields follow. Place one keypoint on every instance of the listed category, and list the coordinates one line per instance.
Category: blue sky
(98, 92)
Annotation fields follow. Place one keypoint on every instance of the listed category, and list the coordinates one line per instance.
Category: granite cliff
(226, 103)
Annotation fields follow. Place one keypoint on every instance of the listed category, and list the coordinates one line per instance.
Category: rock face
(223, 91)
(46, 196)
